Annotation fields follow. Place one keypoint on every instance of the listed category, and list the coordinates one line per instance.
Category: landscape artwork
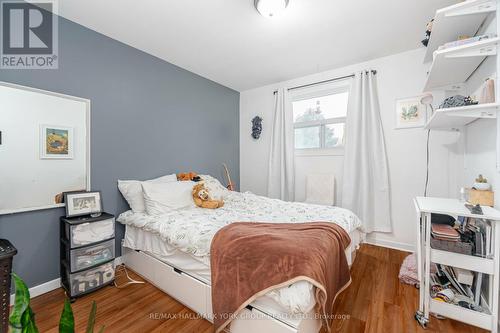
(56, 142)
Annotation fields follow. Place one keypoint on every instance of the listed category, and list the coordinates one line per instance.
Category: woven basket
(7, 252)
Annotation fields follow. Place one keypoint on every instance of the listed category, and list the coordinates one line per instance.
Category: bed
(171, 250)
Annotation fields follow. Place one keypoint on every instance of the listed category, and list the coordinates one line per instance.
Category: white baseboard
(118, 261)
(52, 285)
(41, 289)
(390, 244)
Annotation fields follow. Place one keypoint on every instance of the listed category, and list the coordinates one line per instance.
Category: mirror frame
(87, 141)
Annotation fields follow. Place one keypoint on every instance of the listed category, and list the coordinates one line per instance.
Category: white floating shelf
(456, 64)
(458, 117)
(464, 18)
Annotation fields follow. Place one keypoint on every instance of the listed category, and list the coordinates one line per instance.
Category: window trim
(314, 92)
(333, 151)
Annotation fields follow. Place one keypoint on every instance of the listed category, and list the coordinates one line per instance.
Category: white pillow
(161, 198)
(217, 191)
(132, 191)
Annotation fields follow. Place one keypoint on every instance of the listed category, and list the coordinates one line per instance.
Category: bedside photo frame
(83, 203)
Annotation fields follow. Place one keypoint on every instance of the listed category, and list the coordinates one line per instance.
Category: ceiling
(228, 42)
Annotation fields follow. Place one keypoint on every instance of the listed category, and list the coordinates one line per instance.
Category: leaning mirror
(44, 147)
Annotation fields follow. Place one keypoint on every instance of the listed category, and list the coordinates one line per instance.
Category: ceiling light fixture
(270, 8)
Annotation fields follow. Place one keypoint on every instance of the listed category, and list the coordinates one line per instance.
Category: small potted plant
(481, 184)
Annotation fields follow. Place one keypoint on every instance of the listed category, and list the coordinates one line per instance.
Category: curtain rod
(324, 81)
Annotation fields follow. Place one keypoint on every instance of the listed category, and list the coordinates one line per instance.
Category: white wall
(400, 75)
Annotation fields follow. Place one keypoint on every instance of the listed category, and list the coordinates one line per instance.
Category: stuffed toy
(188, 176)
(201, 197)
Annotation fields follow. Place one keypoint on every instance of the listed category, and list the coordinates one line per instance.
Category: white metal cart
(426, 255)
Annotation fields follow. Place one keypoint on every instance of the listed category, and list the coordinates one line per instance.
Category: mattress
(295, 299)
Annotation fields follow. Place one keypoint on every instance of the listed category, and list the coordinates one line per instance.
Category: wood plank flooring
(376, 302)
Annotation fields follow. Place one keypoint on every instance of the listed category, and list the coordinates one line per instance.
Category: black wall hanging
(256, 127)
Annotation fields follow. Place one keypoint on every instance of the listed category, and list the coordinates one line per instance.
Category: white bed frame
(196, 295)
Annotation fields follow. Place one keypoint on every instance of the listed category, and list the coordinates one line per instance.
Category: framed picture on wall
(56, 142)
(82, 203)
(410, 113)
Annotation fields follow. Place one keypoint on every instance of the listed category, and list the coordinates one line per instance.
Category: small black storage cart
(87, 253)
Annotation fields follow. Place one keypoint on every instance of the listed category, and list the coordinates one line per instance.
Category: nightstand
(87, 253)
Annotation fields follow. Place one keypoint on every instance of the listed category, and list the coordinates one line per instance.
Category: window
(319, 119)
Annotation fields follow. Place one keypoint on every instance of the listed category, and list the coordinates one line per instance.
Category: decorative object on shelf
(428, 31)
(480, 193)
(481, 184)
(464, 194)
(410, 112)
(256, 127)
(83, 203)
(487, 92)
(483, 198)
(230, 184)
(56, 142)
(457, 101)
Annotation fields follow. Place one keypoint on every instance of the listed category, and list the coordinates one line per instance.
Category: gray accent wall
(149, 118)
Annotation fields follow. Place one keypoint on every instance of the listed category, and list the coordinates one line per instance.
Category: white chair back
(320, 189)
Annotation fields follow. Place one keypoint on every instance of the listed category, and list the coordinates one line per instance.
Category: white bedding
(191, 231)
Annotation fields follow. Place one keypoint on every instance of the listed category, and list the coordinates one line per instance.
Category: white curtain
(280, 176)
(365, 188)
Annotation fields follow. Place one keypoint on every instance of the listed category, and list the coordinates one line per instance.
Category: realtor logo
(28, 34)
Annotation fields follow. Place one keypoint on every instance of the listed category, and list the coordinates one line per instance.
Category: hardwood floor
(376, 302)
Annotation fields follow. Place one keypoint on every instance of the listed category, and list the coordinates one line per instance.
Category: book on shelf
(477, 288)
(444, 232)
(466, 294)
(477, 232)
(463, 276)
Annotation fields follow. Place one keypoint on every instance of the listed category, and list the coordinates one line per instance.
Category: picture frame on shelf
(410, 113)
(81, 203)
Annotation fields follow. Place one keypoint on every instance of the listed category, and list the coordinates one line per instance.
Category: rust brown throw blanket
(250, 259)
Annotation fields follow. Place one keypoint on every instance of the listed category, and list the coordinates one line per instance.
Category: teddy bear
(201, 197)
(188, 176)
